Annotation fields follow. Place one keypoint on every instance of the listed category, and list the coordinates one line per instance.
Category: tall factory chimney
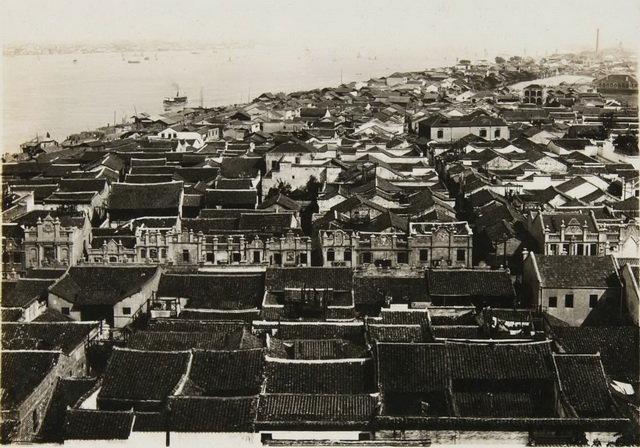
(597, 40)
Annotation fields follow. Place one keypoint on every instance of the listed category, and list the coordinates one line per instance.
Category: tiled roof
(132, 376)
(318, 330)
(214, 291)
(395, 333)
(412, 367)
(23, 292)
(66, 393)
(171, 325)
(140, 197)
(555, 220)
(619, 347)
(236, 167)
(209, 414)
(225, 373)
(221, 315)
(500, 404)
(244, 198)
(456, 332)
(102, 285)
(500, 361)
(465, 282)
(563, 271)
(304, 407)
(281, 200)
(320, 377)
(178, 340)
(407, 317)
(22, 372)
(370, 289)
(584, 385)
(65, 336)
(89, 424)
(338, 278)
(317, 348)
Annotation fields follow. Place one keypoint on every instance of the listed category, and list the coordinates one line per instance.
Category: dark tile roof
(566, 271)
(395, 333)
(584, 385)
(411, 367)
(170, 325)
(24, 292)
(86, 424)
(234, 184)
(45, 273)
(281, 200)
(272, 222)
(317, 348)
(323, 408)
(236, 198)
(66, 393)
(405, 317)
(65, 336)
(11, 314)
(178, 340)
(214, 291)
(555, 220)
(319, 330)
(340, 279)
(67, 219)
(22, 372)
(140, 197)
(320, 377)
(619, 347)
(225, 373)
(500, 361)
(209, 414)
(499, 404)
(236, 167)
(375, 289)
(73, 185)
(466, 282)
(133, 375)
(102, 285)
(221, 315)
(456, 332)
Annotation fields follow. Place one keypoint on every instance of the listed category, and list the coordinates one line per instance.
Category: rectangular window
(565, 249)
(440, 133)
(366, 257)
(483, 132)
(65, 310)
(237, 257)
(347, 255)
(568, 301)
(553, 302)
(126, 311)
(211, 258)
(424, 254)
(143, 253)
(17, 257)
(496, 134)
(303, 259)
(402, 257)
(552, 249)
(185, 255)
(461, 255)
(277, 259)
(593, 300)
(331, 255)
(256, 256)
(593, 249)
(580, 248)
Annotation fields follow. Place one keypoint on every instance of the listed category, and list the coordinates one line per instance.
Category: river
(66, 93)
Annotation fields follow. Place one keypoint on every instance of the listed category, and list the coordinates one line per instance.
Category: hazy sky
(500, 26)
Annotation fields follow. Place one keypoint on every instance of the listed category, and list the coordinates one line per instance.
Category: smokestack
(597, 40)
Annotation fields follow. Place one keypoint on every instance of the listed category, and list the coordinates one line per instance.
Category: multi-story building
(426, 244)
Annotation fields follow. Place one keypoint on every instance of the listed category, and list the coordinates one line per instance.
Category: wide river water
(54, 94)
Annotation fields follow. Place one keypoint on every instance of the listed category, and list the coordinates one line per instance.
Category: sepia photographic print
(325, 223)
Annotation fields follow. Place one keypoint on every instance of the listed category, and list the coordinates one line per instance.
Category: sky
(500, 26)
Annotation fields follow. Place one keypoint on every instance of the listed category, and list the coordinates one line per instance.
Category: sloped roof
(214, 291)
(319, 408)
(65, 336)
(213, 414)
(375, 289)
(90, 424)
(236, 167)
(21, 293)
(227, 372)
(320, 377)
(466, 282)
(181, 324)
(142, 375)
(282, 200)
(411, 367)
(139, 197)
(102, 285)
(338, 278)
(22, 372)
(561, 271)
(177, 340)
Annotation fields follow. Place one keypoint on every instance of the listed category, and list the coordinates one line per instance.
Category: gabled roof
(90, 424)
(22, 372)
(159, 196)
(468, 282)
(337, 278)
(64, 336)
(563, 271)
(213, 414)
(21, 293)
(226, 372)
(281, 200)
(235, 167)
(132, 376)
(102, 285)
(316, 408)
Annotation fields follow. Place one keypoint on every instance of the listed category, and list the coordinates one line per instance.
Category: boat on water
(175, 100)
(133, 61)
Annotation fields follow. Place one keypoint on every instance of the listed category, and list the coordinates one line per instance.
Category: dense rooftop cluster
(426, 254)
